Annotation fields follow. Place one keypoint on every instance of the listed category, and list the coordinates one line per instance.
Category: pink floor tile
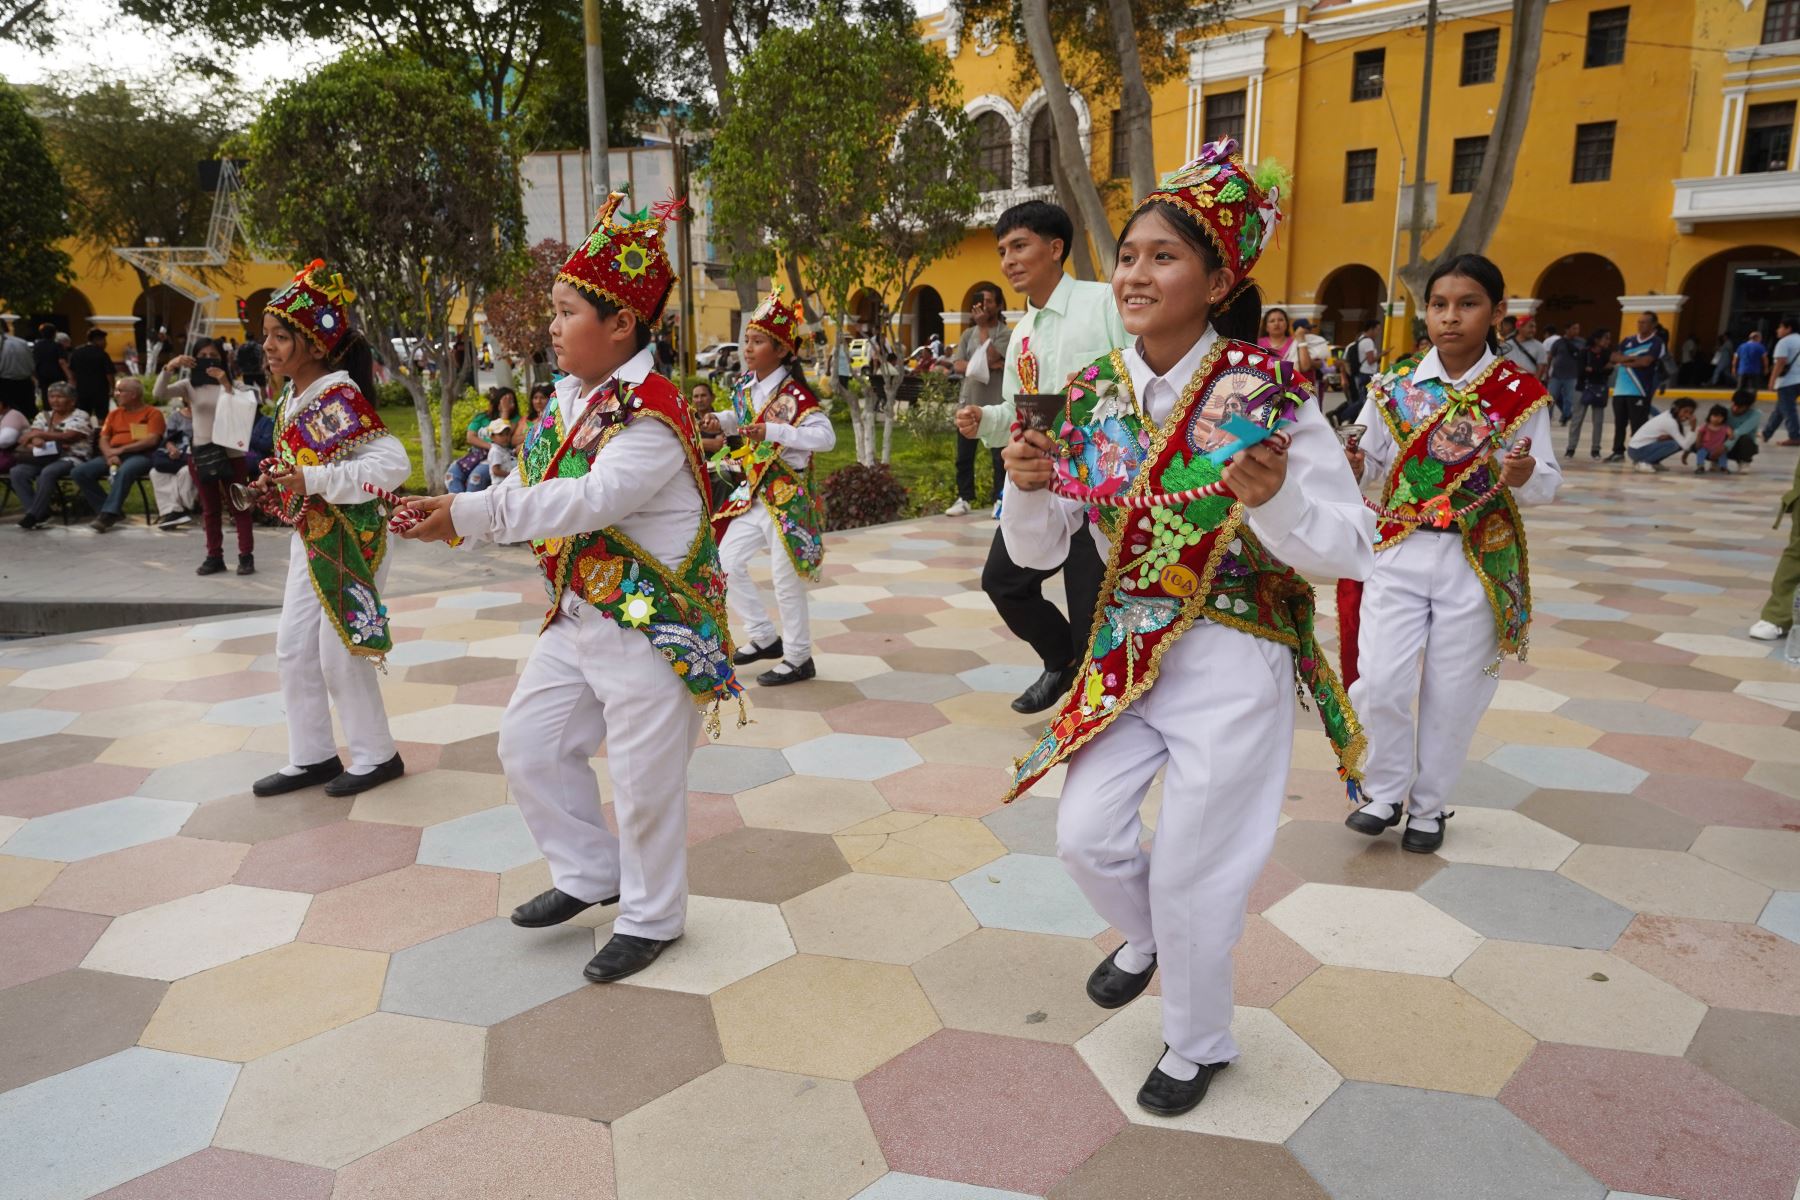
(235, 686)
(1671, 755)
(127, 880)
(401, 908)
(329, 856)
(993, 1111)
(885, 718)
(485, 1152)
(1314, 795)
(860, 643)
(1626, 650)
(496, 691)
(92, 696)
(1267, 964)
(1725, 965)
(71, 787)
(1723, 801)
(43, 941)
(909, 604)
(215, 1174)
(945, 789)
(419, 757)
(1656, 1125)
(1717, 706)
(1275, 882)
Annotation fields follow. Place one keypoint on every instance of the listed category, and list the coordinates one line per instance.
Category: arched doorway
(1581, 287)
(1349, 296)
(927, 316)
(164, 307)
(254, 304)
(865, 310)
(1738, 290)
(70, 314)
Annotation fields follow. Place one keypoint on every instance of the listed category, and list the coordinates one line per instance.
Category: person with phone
(981, 361)
(215, 467)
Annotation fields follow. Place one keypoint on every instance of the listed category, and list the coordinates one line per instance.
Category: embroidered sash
(681, 611)
(790, 498)
(1168, 568)
(345, 543)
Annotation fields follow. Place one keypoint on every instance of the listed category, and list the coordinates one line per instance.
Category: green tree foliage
(380, 165)
(553, 113)
(33, 271)
(26, 22)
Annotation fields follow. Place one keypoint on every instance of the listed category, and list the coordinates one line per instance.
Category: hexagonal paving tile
(738, 1133)
(487, 972)
(1650, 1123)
(769, 866)
(446, 723)
(882, 918)
(183, 937)
(248, 1008)
(1610, 820)
(1326, 852)
(600, 1052)
(430, 797)
(1499, 837)
(1782, 915)
(486, 1152)
(1567, 767)
(83, 1131)
(1027, 825)
(1769, 856)
(1756, 1053)
(1731, 966)
(330, 856)
(728, 769)
(1581, 997)
(1484, 785)
(338, 1096)
(852, 756)
(806, 805)
(896, 1185)
(127, 880)
(822, 1016)
(1267, 964)
(917, 686)
(1371, 928)
(1265, 1096)
(1527, 906)
(1163, 1164)
(1432, 1034)
(57, 1023)
(725, 941)
(886, 718)
(1621, 716)
(1030, 893)
(1028, 985)
(94, 829)
(1454, 1139)
(947, 788)
(400, 909)
(1665, 883)
(227, 1174)
(999, 1112)
(71, 787)
(494, 839)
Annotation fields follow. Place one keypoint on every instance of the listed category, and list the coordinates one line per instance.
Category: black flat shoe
(1371, 824)
(750, 654)
(246, 564)
(1110, 987)
(624, 955)
(1166, 1096)
(553, 908)
(350, 783)
(1420, 842)
(787, 672)
(1047, 690)
(279, 783)
(210, 566)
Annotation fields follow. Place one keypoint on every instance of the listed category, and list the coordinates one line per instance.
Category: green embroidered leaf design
(1180, 475)
(1425, 474)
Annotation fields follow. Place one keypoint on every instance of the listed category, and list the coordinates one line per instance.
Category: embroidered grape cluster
(1170, 534)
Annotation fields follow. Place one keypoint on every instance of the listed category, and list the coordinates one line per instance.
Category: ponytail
(796, 369)
(356, 359)
(1239, 315)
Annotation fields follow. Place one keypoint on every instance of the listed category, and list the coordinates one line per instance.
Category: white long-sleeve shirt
(381, 461)
(202, 398)
(813, 435)
(1317, 523)
(1379, 449)
(639, 484)
(1663, 425)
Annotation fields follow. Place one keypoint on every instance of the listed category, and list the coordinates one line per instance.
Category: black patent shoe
(350, 783)
(754, 653)
(787, 672)
(1371, 824)
(312, 776)
(1110, 987)
(1420, 842)
(1166, 1096)
(553, 908)
(624, 955)
(1046, 690)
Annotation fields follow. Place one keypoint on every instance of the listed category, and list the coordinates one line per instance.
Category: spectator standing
(1278, 338)
(840, 368)
(1362, 362)
(50, 360)
(1724, 355)
(1752, 359)
(1317, 349)
(1596, 368)
(17, 366)
(1639, 363)
(130, 434)
(1520, 344)
(1711, 441)
(1663, 436)
(1563, 362)
(177, 496)
(94, 371)
(1784, 377)
(208, 379)
(1745, 421)
(981, 361)
(59, 440)
(1692, 370)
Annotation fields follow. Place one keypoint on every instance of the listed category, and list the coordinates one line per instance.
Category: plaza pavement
(1594, 989)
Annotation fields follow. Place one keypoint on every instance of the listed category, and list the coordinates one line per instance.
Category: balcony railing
(1769, 194)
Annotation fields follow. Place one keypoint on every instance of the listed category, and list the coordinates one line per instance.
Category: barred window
(1781, 21)
(1593, 152)
(1224, 116)
(1606, 37)
(1481, 56)
(993, 153)
(1041, 153)
(1465, 163)
(1359, 176)
(1366, 74)
(1768, 137)
(1121, 153)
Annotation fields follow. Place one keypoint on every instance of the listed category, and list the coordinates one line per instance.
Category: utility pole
(1418, 196)
(690, 320)
(596, 98)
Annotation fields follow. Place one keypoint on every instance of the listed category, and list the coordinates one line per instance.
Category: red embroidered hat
(779, 321)
(626, 264)
(1237, 208)
(316, 304)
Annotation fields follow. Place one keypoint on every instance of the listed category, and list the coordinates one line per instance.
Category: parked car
(709, 358)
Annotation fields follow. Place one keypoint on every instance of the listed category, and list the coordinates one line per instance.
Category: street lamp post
(596, 98)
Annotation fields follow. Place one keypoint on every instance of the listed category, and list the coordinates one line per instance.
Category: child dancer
(1449, 437)
(611, 492)
(1202, 599)
(329, 442)
(776, 508)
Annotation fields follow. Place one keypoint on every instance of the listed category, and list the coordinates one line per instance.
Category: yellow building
(1657, 172)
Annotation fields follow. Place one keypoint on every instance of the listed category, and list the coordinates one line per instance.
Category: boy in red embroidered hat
(776, 509)
(329, 442)
(1213, 481)
(612, 494)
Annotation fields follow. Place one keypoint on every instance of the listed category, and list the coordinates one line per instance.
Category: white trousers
(752, 534)
(174, 490)
(1221, 718)
(589, 681)
(1422, 605)
(317, 672)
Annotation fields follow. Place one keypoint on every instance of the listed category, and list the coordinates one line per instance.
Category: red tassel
(1349, 605)
(668, 210)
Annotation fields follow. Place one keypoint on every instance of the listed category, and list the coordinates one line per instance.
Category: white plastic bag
(234, 419)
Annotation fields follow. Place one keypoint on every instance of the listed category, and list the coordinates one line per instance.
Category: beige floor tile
(1499, 837)
(808, 804)
(1581, 997)
(986, 709)
(1373, 928)
(402, 698)
(774, 728)
(1763, 744)
(1029, 985)
(1769, 856)
(1537, 729)
(974, 746)
(1407, 1030)
(249, 1008)
(880, 918)
(128, 720)
(920, 846)
(430, 798)
(197, 666)
(823, 1016)
(196, 933)
(1666, 883)
(23, 880)
(725, 941)
(158, 749)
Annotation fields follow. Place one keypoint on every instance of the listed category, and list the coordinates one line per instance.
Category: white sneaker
(1767, 631)
(1644, 468)
(959, 509)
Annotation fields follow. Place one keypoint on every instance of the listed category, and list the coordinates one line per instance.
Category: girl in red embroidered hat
(611, 492)
(1459, 439)
(329, 444)
(776, 509)
(1213, 482)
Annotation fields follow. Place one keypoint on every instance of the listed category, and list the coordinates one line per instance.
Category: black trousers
(1628, 412)
(1742, 450)
(966, 450)
(1018, 594)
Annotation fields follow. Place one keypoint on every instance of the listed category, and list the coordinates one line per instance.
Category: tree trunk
(1076, 171)
(798, 291)
(1416, 235)
(1084, 257)
(1488, 201)
(715, 26)
(1134, 101)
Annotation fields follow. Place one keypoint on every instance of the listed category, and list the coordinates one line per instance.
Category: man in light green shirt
(1069, 323)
